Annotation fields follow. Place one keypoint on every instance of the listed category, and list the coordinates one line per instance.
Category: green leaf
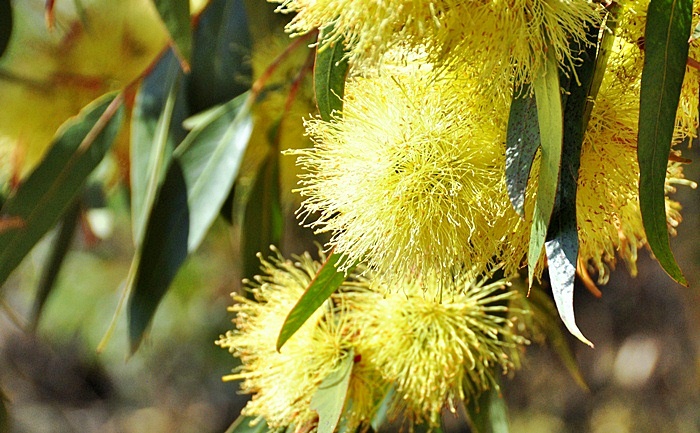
(163, 251)
(330, 397)
(5, 25)
(330, 70)
(210, 157)
(522, 142)
(4, 413)
(221, 68)
(262, 218)
(327, 280)
(562, 235)
(41, 200)
(488, 413)
(176, 16)
(696, 34)
(248, 424)
(550, 119)
(605, 47)
(59, 250)
(382, 414)
(155, 131)
(666, 53)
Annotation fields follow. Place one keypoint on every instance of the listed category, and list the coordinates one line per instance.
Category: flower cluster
(408, 181)
(432, 348)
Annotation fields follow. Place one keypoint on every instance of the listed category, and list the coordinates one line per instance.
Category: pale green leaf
(329, 399)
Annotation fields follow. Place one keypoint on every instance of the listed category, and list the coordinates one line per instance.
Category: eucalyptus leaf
(176, 17)
(248, 424)
(210, 157)
(6, 25)
(330, 70)
(522, 142)
(666, 53)
(329, 399)
(327, 280)
(158, 113)
(41, 200)
(550, 119)
(488, 413)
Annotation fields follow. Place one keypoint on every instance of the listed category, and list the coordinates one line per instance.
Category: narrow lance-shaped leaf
(210, 157)
(666, 53)
(330, 70)
(562, 237)
(52, 267)
(327, 280)
(550, 119)
(176, 17)
(155, 131)
(488, 413)
(44, 196)
(522, 142)
(248, 424)
(329, 399)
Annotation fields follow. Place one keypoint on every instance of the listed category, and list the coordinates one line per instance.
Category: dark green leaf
(330, 70)
(4, 414)
(5, 24)
(562, 235)
(49, 190)
(210, 157)
(176, 16)
(550, 119)
(666, 53)
(262, 220)
(243, 425)
(327, 280)
(163, 251)
(59, 250)
(605, 47)
(329, 399)
(221, 67)
(156, 129)
(522, 142)
(488, 413)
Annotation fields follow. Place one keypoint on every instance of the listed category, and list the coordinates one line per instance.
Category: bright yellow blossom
(436, 347)
(411, 178)
(283, 383)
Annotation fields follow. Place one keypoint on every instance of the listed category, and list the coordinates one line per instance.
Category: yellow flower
(437, 348)
(608, 214)
(283, 383)
(411, 178)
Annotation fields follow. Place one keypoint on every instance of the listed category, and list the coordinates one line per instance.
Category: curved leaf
(176, 17)
(210, 157)
(522, 142)
(248, 424)
(329, 399)
(327, 280)
(330, 70)
(488, 413)
(41, 200)
(550, 119)
(666, 53)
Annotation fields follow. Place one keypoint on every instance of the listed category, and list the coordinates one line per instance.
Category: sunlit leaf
(488, 413)
(163, 251)
(330, 71)
(221, 68)
(605, 47)
(262, 218)
(6, 24)
(327, 280)
(176, 16)
(522, 142)
(562, 236)
(210, 157)
(666, 53)
(248, 424)
(59, 250)
(44, 196)
(550, 119)
(155, 131)
(329, 399)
